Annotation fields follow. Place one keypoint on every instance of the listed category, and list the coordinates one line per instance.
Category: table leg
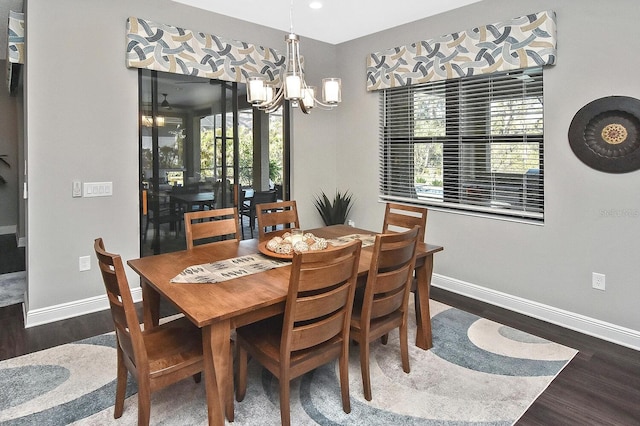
(423, 275)
(217, 367)
(150, 306)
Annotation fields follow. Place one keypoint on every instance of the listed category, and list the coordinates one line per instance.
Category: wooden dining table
(187, 200)
(219, 308)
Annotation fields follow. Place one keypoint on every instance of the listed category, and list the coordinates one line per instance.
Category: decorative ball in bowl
(285, 245)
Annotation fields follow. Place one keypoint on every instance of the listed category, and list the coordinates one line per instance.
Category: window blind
(471, 144)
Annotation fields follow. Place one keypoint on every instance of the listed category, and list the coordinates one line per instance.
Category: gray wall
(550, 264)
(82, 104)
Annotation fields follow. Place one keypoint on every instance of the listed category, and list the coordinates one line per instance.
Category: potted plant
(334, 212)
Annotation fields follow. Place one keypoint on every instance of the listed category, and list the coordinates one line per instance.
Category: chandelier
(293, 86)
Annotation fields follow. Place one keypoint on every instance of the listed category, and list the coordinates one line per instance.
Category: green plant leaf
(334, 212)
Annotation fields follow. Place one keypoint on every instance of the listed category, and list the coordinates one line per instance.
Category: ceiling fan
(165, 103)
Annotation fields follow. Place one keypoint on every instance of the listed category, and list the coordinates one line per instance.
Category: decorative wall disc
(605, 134)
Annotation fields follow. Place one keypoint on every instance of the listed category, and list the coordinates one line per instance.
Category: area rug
(12, 288)
(478, 373)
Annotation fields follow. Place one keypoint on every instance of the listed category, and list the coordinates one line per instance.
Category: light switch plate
(97, 189)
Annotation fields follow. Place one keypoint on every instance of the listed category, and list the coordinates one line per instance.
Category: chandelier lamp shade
(293, 86)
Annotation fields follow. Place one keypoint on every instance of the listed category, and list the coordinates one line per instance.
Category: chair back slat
(321, 304)
(218, 228)
(315, 278)
(392, 279)
(393, 255)
(316, 333)
(210, 224)
(387, 304)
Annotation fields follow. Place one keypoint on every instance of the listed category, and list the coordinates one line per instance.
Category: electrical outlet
(84, 263)
(598, 281)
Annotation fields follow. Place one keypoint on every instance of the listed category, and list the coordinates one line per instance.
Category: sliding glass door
(198, 140)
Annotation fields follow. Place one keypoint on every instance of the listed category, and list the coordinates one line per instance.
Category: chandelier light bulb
(293, 87)
(331, 91)
(256, 90)
(309, 97)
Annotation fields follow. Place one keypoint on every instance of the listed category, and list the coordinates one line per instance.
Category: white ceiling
(336, 22)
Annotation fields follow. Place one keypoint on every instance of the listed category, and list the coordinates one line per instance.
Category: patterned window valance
(519, 43)
(15, 49)
(15, 39)
(172, 49)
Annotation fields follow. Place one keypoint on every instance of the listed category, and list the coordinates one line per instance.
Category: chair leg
(229, 390)
(146, 228)
(144, 402)
(121, 386)
(364, 369)
(344, 380)
(241, 388)
(384, 339)
(404, 346)
(285, 408)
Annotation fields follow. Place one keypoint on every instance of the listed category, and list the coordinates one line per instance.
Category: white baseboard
(8, 229)
(13, 229)
(76, 308)
(583, 324)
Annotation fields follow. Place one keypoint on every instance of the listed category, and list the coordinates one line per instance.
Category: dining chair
(223, 194)
(272, 215)
(204, 226)
(160, 211)
(314, 329)
(383, 304)
(157, 357)
(243, 203)
(259, 197)
(400, 217)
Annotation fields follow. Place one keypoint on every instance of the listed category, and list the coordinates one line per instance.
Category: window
(471, 144)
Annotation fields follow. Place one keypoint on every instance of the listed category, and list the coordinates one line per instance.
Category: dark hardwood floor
(600, 386)
(11, 256)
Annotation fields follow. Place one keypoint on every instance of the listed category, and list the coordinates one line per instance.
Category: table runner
(228, 269)
(367, 240)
